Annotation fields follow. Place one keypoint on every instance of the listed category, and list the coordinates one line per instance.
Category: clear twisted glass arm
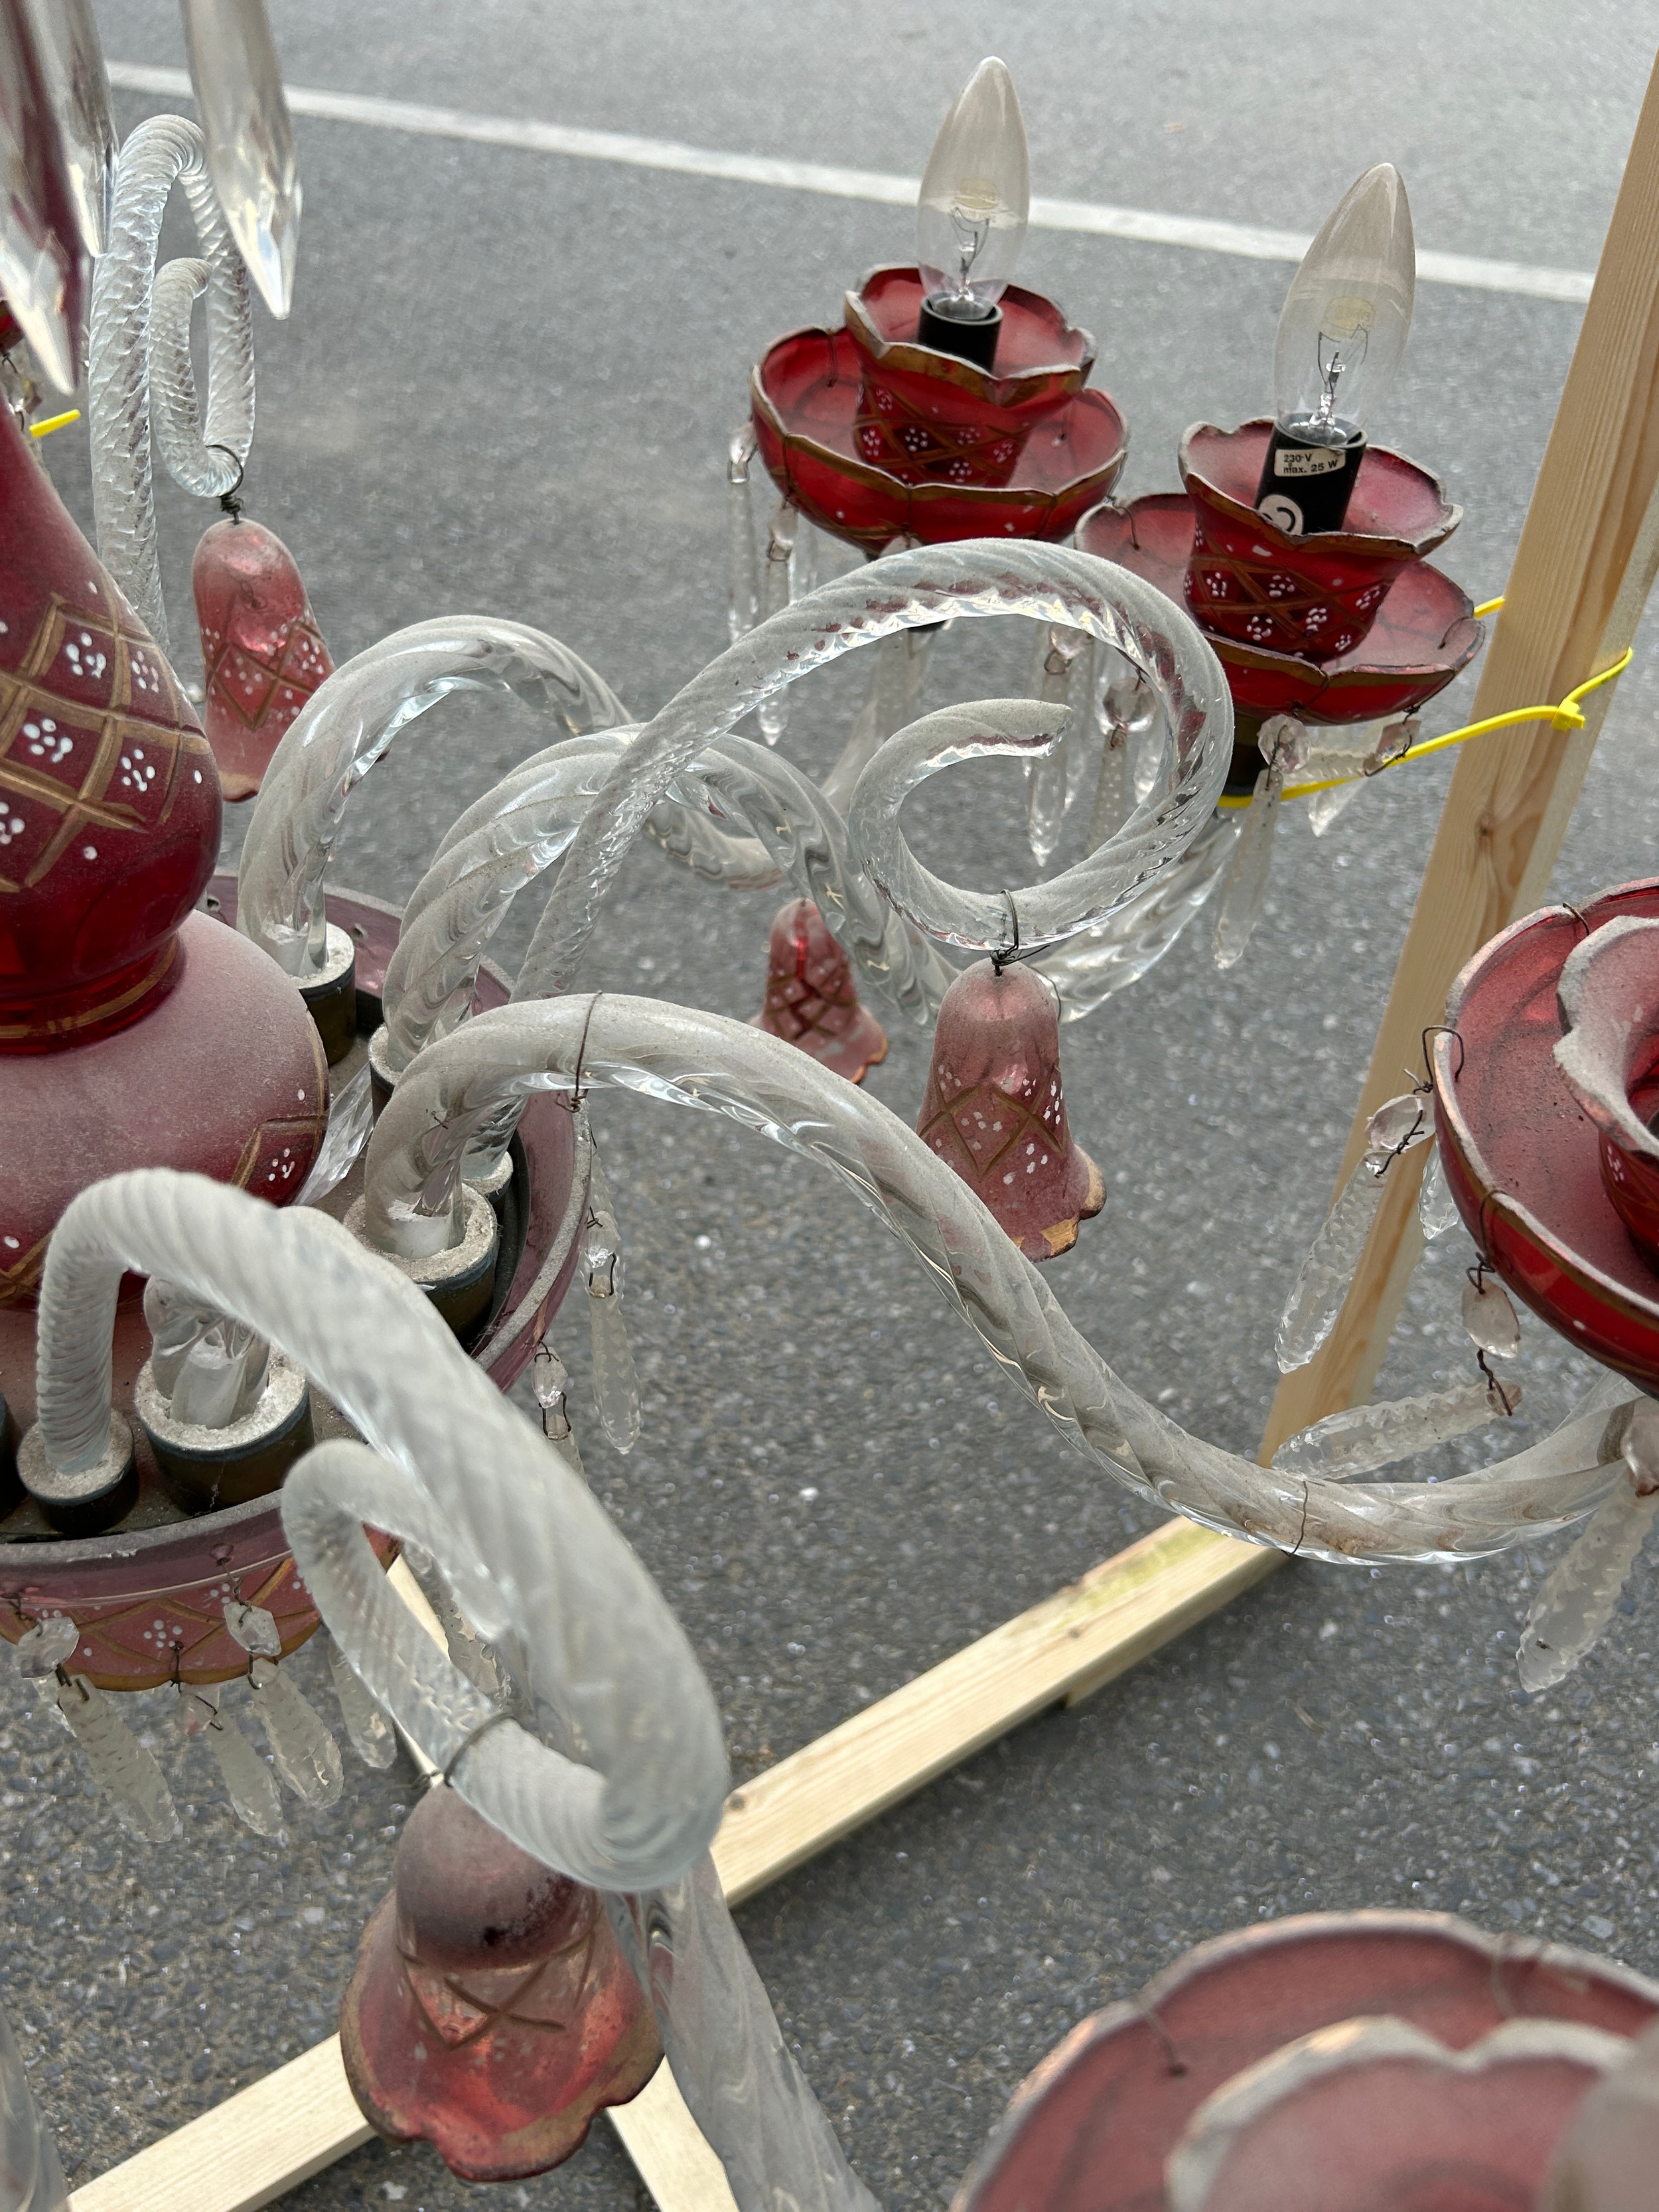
(736, 796)
(688, 1058)
(160, 153)
(538, 1569)
(906, 591)
(347, 724)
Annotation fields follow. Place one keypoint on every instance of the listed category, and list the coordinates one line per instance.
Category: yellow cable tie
(1565, 716)
(54, 423)
(1491, 607)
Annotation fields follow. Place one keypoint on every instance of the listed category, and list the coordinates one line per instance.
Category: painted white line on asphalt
(1142, 224)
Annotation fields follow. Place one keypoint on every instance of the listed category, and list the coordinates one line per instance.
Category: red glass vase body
(491, 2013)
(1318, 595)
(263, 654)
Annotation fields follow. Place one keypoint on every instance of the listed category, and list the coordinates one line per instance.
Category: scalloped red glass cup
(1316, 596)
(117, 1587)
(1091, 2129)
(1422, 634)
(806, 394)
(927, 418)
(1523, 1158)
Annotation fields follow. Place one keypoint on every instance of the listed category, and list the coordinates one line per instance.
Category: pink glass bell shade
(811, 1000)
(1109, 2122)
(1318, 595)
(491, 2013)
(874, 436)
(1523, 1158)
(995, 1108)
(109, 802)
(263, 654)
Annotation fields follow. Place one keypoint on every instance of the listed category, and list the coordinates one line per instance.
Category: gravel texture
(507, 387)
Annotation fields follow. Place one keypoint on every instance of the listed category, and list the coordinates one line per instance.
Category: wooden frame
(1583, 571)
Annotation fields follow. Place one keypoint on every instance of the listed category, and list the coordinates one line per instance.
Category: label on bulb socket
(1306, 487)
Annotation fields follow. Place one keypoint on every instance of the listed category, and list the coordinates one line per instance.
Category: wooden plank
(1582, 572)
(271, 2137)
(263, 2142)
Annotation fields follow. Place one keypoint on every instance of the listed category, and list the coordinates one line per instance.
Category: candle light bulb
(1342, 333)
(971, 213)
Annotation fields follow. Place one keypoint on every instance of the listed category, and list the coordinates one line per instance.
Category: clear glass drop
(975, 198)
(1489, 1318)
(254, 1629)
(31, 2176)
(1244, 886)
(1322, 1281)
(741, 569)
(238, 83)
(475, 1658)
(1402, 1122)
(1324, 807)
(616, 1385)
(42, 1649)
(350, 1118)
(549, 1381)
(1436, 1209)
(1641, 1446)
(1048, 780)
(1361, 1437)
(1112, 789)
(1571, 1612)
(373, 1736)
(897, 672)
(121, 1767)
(304, 1754)
(46, 269)
(76, 86)
(777, 592)
(248, 1783)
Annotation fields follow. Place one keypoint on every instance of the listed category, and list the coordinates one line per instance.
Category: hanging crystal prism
(550, 1382)
(254, 1629)
(773, 714)
(31, 2176)
(1489, 1316)
(350, 1118)
(1046, 779)
(373, 1736)
(306, 1756)
(742, 580)
(45, 268)
(1322, 1281)
(898, 668)
(76, 86)
(1244, 886)
(1078, 746)
(248, 1782)
(616, 1385)
(475, 1658)
(1436, 1209)
(1361, 1437)
(1571, 1612)
(122, 1767)
(238, 83)
(42, 1649)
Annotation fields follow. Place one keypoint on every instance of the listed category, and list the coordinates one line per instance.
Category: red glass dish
(814, 431)
(150, 1598)
(1522, 1156)
(1091, 2129)
(1422, 634)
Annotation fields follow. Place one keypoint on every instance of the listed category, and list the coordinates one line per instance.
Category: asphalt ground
(507, 387)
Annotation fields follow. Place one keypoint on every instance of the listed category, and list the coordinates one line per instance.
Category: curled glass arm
(744, 795)
(688, 1057)
(1091, 967)
(347, 724)
(538, 1569)
(167, 150)
(908, 590)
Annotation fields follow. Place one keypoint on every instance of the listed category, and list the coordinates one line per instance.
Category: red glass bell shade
(263, 654)
(1318, 595)
(874, 436)
(811, 1000)
(1522, 1158)
(491, 2013)
(995, 1109)
(1092, 2129)
(1422, 634)
(109, 802)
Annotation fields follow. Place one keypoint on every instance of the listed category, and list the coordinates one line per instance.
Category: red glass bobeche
(874, 436)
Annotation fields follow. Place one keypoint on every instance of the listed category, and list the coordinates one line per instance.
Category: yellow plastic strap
(54, 423)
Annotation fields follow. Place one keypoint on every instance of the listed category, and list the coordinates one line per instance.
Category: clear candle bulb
(975, 196)
(1343, 328)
